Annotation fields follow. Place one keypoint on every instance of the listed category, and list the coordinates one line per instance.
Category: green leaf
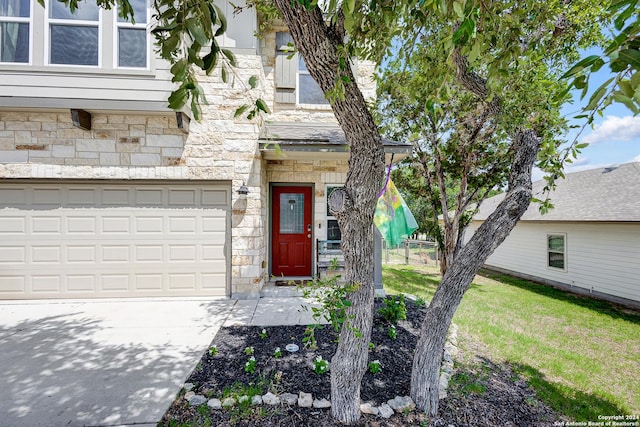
(209, 62)
(262, 106)
(196, 31)
(179, 70)
(464, 32)
(225, 76)
(597, 95)
(581, 65)
(631, 57)
(458, 9)
(178, 98)
(222, 21)
(240, 110)
(230, 56)
(253, 82)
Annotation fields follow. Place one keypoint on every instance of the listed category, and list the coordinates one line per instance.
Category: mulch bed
(503, 399)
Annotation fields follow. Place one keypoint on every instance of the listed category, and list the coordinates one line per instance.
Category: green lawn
(582, 356)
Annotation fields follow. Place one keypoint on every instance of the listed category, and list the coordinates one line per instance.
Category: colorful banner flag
(393, 217)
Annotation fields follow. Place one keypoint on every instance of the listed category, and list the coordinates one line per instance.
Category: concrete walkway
(112, 362)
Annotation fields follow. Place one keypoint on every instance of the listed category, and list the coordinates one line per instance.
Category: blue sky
(614, 138)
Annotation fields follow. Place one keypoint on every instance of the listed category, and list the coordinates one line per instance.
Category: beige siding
(600, 257)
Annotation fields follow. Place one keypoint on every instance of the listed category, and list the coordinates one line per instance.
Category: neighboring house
(105, 192)
(589, 243)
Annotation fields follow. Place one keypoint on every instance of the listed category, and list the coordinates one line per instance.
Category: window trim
(564, 251)
(22, 20)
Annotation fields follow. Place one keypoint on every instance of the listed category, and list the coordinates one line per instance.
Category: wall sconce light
(243, 190)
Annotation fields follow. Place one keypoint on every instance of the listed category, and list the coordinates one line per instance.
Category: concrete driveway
(100, 363)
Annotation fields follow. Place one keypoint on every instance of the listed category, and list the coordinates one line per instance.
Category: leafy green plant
(371, 346)
(277, 353)
(213, 350)
(250, 365)
(391, 331)
(263, 334)
(375, 367)
(394, 309)
(320, 365)
(420, 302)
(248, 351)
(334, 301)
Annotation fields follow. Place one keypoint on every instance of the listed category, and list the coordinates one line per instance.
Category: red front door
(291, 231)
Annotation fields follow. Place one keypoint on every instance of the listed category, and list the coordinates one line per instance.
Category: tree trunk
(318, 44)
(430, 347)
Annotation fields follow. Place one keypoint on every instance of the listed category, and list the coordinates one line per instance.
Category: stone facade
(134, 145)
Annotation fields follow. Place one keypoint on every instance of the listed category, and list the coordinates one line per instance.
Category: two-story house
(106, 192)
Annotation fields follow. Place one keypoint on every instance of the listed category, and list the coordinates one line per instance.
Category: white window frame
(116, 40)
(22, 20)
(564, 251)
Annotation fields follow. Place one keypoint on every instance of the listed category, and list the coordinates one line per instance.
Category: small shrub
(248, 351)
(250, 365)
(277, 353)
(391, 331)
(213, 350)
(375, 367)
(320, 366)
(394, 309)
(371, 346)
(263, 334)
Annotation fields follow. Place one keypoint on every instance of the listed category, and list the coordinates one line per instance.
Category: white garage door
(68, 240)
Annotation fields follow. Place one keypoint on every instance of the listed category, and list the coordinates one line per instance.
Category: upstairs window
(294, 84)
(132, 50)
(74, 38)
(556, 251)
(15, 22)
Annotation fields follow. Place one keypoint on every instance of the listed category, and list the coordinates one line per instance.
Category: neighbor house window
(74, 38)
(15, 22)
(132, 39)
(333, 230)
(557, 251)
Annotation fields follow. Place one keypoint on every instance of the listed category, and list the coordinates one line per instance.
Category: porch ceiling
(315, 141)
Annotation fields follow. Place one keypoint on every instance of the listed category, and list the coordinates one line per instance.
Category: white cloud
(615, 129)
(636, 158)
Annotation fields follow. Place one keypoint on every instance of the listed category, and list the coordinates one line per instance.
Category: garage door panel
(45, 283)
(11, 226)
(116, 225)
(81, 283)
(46, 225)
(115, 254)
(81, 254)
(46, 255)
(12, 255)
(116, 239)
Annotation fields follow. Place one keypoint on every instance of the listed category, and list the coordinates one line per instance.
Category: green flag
(393, 217)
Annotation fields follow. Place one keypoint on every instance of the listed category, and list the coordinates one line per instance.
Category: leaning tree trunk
(318, 44)
(429, 349)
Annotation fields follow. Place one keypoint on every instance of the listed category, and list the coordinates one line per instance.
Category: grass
(582, 356)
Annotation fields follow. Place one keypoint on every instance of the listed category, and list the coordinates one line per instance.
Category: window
(74, 38)
(309, 91)
(294, 84)
(333, 229)
(132, 39)
(556, 251)
(15, 22)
